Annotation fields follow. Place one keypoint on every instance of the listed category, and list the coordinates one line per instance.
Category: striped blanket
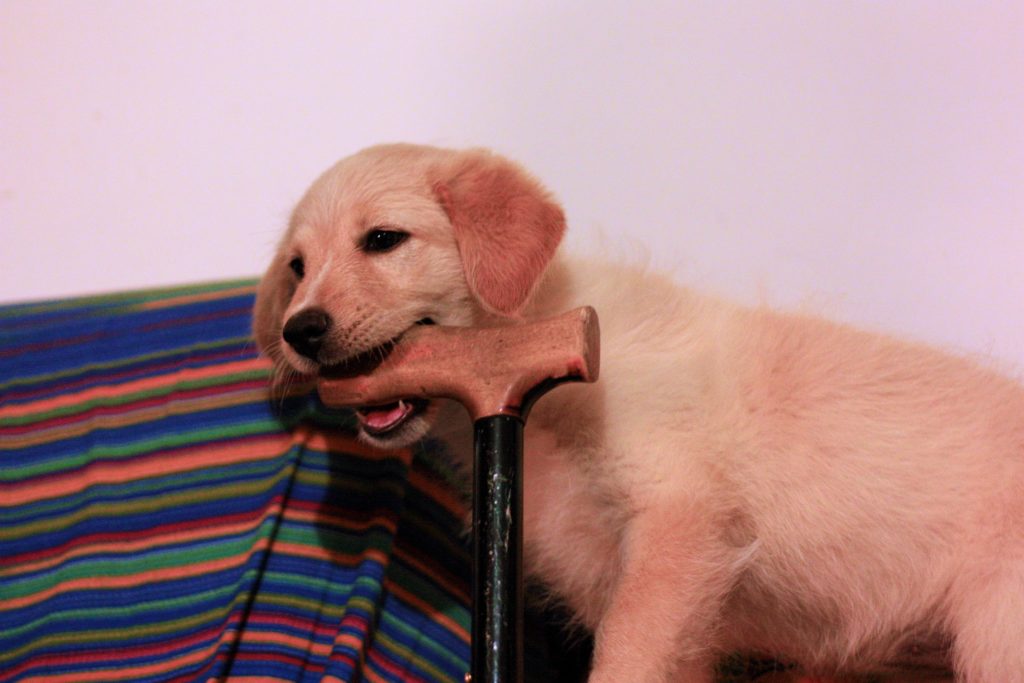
(161, 519)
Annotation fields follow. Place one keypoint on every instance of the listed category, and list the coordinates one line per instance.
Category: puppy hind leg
(988, 623)
(664, 609)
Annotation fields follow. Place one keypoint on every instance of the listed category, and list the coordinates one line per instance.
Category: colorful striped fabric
(162, 519)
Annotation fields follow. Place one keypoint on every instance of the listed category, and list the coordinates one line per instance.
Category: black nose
(306, 330)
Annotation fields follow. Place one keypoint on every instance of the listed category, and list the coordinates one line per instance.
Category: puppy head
(392, 237)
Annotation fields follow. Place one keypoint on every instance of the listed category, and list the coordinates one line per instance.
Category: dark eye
(378, 240)
(298, 267)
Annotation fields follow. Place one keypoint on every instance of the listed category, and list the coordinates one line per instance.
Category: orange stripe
(140, 467)
(123, 674)
(126, 418)
(197, 297)
(134, 673)
(297, 643)
(135, 386)
(436, 573)
(130, 547)
(318, 517)
(351, 641)
(427, 609)
(320, 553)
(372, 676)
(314, 552)
(135, 580)
(346, 443)
(444, 495)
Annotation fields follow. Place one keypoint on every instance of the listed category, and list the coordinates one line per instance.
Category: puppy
(739, 480)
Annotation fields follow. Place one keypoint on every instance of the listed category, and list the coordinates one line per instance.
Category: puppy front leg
(662, 615)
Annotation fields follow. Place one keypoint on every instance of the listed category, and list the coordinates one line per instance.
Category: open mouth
(387, 418)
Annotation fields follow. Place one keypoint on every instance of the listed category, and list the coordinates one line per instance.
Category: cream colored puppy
(739, 479)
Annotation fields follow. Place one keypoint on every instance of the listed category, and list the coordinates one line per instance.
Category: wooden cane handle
(491, 371)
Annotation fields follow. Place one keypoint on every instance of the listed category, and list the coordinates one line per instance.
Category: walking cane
(497, 373)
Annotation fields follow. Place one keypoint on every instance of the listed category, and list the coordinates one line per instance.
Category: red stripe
(381, 661)
(128, 536)
(193, 319)
(165, 649)
(191, 360)
(140, 465)
(50, 345)
(148, 402)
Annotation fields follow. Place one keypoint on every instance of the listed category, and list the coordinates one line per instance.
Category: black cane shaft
(497, 650)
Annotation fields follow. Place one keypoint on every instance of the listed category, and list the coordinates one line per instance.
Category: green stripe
(133, 396)
(149, 486)
(122, 302)
(105, 637)
(138, 564)
(303, 607)
(143, 506)
(197, 437)
(393, 484)
(350, 544)
(29, 380)
(94, 612)
(436, 648)
(404, 652)
(426, 588)
(314, 536)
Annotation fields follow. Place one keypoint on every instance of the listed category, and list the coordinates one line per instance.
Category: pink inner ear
(507, 228)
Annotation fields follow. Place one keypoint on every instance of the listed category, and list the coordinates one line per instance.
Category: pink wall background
(865, 160)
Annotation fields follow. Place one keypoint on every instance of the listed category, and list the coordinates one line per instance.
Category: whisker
(283, 378)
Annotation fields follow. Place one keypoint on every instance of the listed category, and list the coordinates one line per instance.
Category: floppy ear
(272, 296)
(506, 224)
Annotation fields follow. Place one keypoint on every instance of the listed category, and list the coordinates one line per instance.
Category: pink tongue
(385, 417)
